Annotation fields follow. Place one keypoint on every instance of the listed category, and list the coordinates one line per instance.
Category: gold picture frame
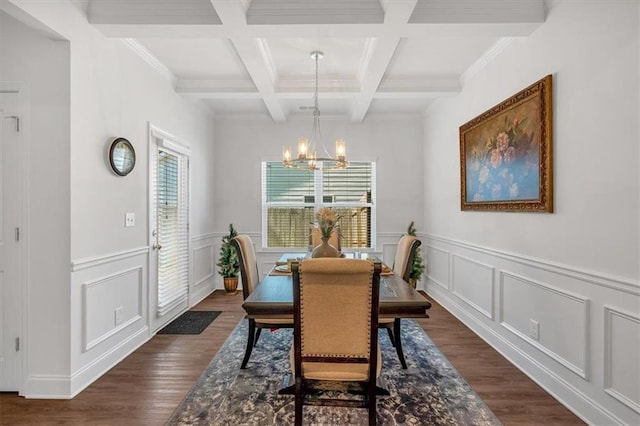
(506, 154)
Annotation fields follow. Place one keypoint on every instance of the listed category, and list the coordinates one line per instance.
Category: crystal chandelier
(307, 156)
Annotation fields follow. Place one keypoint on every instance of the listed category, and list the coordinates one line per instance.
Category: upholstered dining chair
(402, 264)
(315, 237)
(336, 330)
(250, 280)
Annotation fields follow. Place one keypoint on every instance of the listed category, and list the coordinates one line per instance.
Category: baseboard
(67, 387)
(94, 370)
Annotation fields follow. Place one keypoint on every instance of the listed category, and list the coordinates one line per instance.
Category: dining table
(273, 297)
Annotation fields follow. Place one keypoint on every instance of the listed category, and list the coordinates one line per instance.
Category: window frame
(317, 204)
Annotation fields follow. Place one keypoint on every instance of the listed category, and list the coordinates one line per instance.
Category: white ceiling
(253, 56)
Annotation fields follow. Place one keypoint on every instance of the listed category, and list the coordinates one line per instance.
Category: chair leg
(255, 343)
(247, 352)
(299, 397)
(398, 341)
(393, 341)
(371, 399)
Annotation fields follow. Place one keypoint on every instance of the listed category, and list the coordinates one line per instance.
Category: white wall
(109, 92)
(43, 65)
(574, 271)
(395, 143)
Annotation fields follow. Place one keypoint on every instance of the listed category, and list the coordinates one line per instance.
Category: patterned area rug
(191, 322)
(429, 392)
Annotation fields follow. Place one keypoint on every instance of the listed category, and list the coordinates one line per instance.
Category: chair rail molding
(605, 280)
(92, 262)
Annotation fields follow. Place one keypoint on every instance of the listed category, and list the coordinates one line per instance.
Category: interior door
(169, 229)
(10, 240)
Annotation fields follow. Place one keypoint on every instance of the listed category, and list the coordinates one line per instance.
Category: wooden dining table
(273, 297)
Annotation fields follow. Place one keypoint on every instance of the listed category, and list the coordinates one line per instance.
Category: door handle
(156, 246)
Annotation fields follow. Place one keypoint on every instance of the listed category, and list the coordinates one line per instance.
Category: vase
(325, 250)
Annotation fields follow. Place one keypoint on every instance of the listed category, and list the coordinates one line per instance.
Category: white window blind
(291, 197)
(172, 220)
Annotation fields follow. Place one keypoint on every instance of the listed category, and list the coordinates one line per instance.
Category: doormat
(191, 322)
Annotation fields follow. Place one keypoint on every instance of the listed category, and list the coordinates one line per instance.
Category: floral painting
(505, 154)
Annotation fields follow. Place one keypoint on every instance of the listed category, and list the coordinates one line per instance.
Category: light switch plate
(129, 219)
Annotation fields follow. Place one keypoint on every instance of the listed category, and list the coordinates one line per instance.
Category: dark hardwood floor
(147, 386)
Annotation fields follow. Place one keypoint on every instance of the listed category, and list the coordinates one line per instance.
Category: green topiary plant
(228, 261)
(418, 267)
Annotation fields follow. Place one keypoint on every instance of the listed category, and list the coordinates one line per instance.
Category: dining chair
(250, 280)
(335, 336)
(402, 264)
(315, 237)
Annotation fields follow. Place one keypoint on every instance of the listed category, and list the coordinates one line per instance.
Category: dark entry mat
(191, 322)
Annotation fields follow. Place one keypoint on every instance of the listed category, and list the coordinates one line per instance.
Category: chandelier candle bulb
(303, 146)
(341, 149)
(286, 154)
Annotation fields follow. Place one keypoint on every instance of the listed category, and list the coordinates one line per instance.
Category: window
(172, 210)
(291, 197)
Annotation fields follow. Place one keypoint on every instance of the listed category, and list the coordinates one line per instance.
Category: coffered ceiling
(253, 56)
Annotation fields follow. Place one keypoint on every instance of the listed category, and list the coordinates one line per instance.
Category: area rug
(191, 322)
(429, 392)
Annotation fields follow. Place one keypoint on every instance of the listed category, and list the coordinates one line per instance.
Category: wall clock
(122, 156)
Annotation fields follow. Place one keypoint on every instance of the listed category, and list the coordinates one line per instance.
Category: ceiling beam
(404, 88)
(378, 55)
(254, 54)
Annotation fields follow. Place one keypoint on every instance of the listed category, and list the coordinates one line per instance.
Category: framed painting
(506, 154)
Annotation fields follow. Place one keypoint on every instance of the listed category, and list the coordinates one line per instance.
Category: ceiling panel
(291, 56)
(197, 58)
(437, 56)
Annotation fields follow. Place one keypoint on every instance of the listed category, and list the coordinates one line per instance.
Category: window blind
(172, 220)
(351, 192)
(291, 197)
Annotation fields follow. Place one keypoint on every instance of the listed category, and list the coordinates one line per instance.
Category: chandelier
(308, 158)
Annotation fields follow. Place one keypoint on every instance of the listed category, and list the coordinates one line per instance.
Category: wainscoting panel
(473, 283)
(109, 318)
(203, 264)
(110, 304)
(583, 344)
(438, 265)
(560, 330)
(622, 348)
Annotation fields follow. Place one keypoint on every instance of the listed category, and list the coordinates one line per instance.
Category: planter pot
(325, 250)
(231, 284)
(413, 282)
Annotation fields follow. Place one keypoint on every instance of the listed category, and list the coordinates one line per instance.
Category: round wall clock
(122, 156)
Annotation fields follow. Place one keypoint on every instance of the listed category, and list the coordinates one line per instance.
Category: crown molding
(150, 59)
(485, 59)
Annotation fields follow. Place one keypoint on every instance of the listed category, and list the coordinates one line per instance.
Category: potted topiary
(228, 262)
(418, 267)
